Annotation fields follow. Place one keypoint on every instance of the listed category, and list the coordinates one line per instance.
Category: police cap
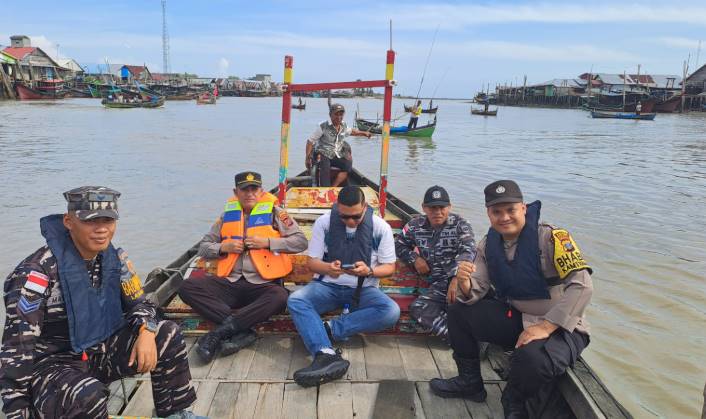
(502, 192)
(245, 179)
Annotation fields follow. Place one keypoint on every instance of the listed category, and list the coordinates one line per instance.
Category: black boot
(468, 384)
(238, 342)
(324, 368)
(514, 404)
(210, 343)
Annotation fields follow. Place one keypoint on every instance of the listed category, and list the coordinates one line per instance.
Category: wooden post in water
(284, 134)
(683, 86)
(386, 117)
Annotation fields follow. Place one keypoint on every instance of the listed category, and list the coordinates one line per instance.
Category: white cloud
(223, 66)
(678, 42)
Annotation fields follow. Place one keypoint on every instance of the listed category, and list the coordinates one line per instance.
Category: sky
(475, 44)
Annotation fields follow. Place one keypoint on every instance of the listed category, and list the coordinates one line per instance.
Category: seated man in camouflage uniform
(78, 319)
(433, 244)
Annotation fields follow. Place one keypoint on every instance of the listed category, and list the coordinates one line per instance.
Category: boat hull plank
(382, 358)
(417, 359)
(222, 405)
(354, 352)
(438, 408)
(269, 404)
(272, 358)
(364, 395)
(335, 401)
(299, 402)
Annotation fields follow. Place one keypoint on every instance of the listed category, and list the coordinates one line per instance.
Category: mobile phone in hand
(348, 266)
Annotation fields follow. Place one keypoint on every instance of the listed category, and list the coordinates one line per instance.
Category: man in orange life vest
(250, 241)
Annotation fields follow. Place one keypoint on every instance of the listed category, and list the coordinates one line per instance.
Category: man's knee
(390, 313)
(187, 288)
(89, 398)
(298, 301)
(169, 335)
(530, 367)
(279, 296)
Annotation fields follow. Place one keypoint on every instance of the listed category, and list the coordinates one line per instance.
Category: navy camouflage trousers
(429, 309)
(64, 386)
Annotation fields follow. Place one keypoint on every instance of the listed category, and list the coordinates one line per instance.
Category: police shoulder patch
(567, 256)
(285, 218)
(129, 281)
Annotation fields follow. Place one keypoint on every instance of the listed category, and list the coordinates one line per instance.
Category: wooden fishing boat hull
(206, 101)
(484, 113)
(299, 107)
(623, 115)
(429, 110)
(190, 96)
(145, 104)
(25, 92)
(425, 131)
(668, 106)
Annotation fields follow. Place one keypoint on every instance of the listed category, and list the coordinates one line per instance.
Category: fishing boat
(300, 106)
(624, 115)
(428, 110)
(484, 112)
(400, 131)
(154, 102)
(206, 98)
(46, 89)
(668, 105)
(389, 371)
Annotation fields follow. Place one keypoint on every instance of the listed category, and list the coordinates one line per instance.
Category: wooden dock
(257, 382)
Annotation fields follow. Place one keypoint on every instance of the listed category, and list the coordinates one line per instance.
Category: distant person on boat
(416, 111)
(77, 320)
(250, 242)
(542, 286)
(326, 146)
(638, 107)
(350, 249)
(432, 245)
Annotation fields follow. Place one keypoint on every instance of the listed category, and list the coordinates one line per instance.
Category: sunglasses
(351, 217)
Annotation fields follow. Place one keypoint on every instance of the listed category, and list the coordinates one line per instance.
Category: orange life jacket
(269, 265)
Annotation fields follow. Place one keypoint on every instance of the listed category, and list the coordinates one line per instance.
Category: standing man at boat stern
(327, 146)
(542, 286)
(414, 118)
(350, 248)
(250, 241)
(77, 320)
(433, 244)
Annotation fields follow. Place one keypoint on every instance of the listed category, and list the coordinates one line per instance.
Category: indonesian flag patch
(37, 282)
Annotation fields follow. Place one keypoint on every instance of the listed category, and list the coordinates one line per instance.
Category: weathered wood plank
(198, 368)
(204, 397)
(141, 404)
(382, 358)
(116, 401)
(272, 358)
(436, 407)
(354, 351)
(443, 356)
(364, 395)
(300, 358)
(247, 400)
(223, 404)
(417, 359)
(269, 404)
(242, 361)
(335, 401)
(395, 400)
(299, 402)
(493, 400)
(418, 408)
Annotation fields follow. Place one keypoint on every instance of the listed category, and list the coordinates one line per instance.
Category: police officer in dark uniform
(542, 286)
(77, 319)
(433, 244)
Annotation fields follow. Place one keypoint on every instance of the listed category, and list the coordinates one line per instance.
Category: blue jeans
(376, 311)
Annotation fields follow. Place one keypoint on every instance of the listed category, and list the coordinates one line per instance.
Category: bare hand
(452, 292)
(334, 269)
(465, 270)
(257, 243)
(368, 134)
(359, 269)
(535, 332)
(421, 266)
(233, 247)
(144, 351)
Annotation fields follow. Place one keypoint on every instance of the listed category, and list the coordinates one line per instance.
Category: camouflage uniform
(441, 248)
(41, 375)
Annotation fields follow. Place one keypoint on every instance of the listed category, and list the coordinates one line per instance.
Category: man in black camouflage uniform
(77, 319)
(433, 244)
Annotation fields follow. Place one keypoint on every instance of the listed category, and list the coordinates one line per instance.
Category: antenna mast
(166, 68)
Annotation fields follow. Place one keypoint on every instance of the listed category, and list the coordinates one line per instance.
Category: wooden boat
(300, 106)
(206, 99)
(624, 115)
(389, 370)
(484, 112)
(428, 110)
(669, 105)
(156, 103)
(401, 131)
(43, 91)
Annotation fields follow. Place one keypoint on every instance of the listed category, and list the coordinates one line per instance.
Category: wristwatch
(149, 325)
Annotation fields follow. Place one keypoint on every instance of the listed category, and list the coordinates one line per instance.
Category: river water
(631, 193)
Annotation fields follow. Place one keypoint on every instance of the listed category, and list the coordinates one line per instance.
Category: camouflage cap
(92, 202)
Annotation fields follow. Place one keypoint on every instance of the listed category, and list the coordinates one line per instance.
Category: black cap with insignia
(92, 202)
(436, 196)
(502, 192)
(335, 108)
(245, 179)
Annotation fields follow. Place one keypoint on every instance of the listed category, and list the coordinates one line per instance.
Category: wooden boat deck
(257, 382)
